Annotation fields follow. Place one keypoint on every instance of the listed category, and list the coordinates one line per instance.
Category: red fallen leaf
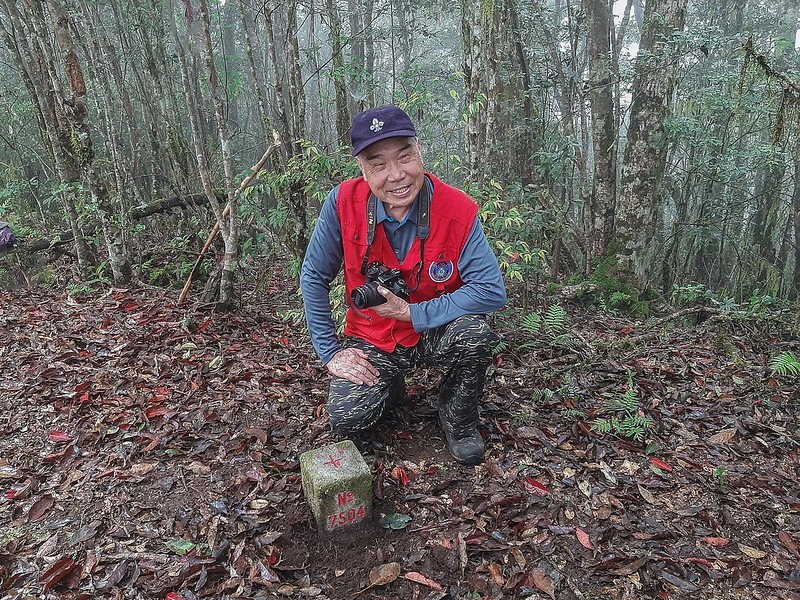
(82, 387)
(422, 580)
(273, 557)
(154, 441)
(84, 397)
(57, 572)
(787, 542)
(58, 455)
(627, 330)
(11, 494)
(40, 508)
(160, 395)
(583, 538)
(432, 470)
(155, 411)
(173, 596)
(535, 487)
(285, 342)
(399, 473)
(59, 436)
(699, 561)
(716, 541)
(661, 464)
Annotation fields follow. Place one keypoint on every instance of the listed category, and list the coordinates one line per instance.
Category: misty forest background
(641, 150)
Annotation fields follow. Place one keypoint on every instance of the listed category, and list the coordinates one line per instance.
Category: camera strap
(423, 227)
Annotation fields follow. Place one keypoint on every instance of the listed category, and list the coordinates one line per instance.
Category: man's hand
(352, 364)
(394, 308)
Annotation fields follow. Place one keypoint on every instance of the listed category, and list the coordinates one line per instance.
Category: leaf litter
(151, 451)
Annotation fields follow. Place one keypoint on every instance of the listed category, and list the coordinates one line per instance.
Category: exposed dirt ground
(151, 451)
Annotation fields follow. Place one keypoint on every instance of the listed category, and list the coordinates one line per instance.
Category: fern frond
(501, 346)
(784, 363)
(605, 425)
(554, 319)
(568, 341)
(629, 401)
(570, 389)
(542, 395)
(531, 323)
(573, 414)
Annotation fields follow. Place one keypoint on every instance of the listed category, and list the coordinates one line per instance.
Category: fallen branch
(692, 310)
(140, 212)
(168, 204)
(215, 230)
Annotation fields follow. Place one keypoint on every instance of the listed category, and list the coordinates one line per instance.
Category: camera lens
(367, 295)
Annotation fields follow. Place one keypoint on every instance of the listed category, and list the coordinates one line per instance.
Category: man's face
(393, 169)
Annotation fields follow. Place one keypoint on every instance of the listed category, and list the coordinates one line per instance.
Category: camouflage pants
(461, 348)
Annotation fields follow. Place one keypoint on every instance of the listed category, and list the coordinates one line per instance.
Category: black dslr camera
(366, 295)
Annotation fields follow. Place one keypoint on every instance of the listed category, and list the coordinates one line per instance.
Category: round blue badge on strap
(441, 271)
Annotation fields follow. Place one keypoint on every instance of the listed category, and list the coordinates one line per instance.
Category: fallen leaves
(182, 452)
(718, 542)
(542, 582)
(583, 538)
(535, 487)
(40, 508)
(59, 436)
(384, 574)
(395, 521)
(660, 464)
(723, 437)
(55, 574)
(422, 580)
(752, 552)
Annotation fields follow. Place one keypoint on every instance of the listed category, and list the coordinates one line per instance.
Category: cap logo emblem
(376, 125)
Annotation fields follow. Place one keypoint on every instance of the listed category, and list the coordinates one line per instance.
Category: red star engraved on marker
(335, 462)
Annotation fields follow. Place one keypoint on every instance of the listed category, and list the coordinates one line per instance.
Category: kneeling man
(420, 276)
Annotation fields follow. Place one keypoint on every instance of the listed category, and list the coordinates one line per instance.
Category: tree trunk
(82, 143)
(795, 291)
(480, 32)
(338, 71)
(256, 81)
(604, 144)
(229, 228)
(369, 52)
(33, 42)
(645, 152)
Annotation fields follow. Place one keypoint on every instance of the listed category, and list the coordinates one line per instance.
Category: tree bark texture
(600, 17)
(78, 118)
(480, 23)
(338, 74)
(645, 153)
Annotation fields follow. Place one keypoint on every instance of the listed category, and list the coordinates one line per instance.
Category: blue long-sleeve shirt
(483, 290)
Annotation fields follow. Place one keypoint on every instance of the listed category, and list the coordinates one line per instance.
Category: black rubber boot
(460, 429)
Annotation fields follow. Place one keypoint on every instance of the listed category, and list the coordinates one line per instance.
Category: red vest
(452, 215)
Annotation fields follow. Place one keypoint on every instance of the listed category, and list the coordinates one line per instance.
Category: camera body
(366, 295)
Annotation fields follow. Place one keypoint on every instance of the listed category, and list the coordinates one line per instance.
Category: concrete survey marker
(338, 485)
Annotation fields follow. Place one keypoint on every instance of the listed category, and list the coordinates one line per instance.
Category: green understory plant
(624, 420)
(784, 363)
(547, 329)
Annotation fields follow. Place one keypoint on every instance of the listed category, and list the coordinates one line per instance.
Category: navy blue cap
(377, 124)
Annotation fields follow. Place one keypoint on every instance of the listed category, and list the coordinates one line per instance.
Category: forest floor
(151, 451)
